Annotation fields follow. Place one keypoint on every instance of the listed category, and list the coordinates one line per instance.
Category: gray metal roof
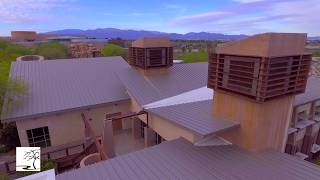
(195, 116)
(312, 92)
(180, 78)
(179, 159)
(60, 85)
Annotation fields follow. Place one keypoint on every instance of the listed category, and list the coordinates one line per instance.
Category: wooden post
(108, 141)
(94, 137)
(135, 128)
(149, 137)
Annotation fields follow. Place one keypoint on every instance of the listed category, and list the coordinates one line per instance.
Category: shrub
(15, 49)
(45, 165)
(4, 149)
(113, 50)
(9, 137)
(48, 164)
(52, 50)
(8, 53)
(4, 176)
(11, 92)
(5, 56)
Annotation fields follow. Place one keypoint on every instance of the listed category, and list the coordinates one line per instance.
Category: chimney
(255, 81)
(151, 54)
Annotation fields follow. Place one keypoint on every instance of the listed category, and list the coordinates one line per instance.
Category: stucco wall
(163, 127)
(68, 127)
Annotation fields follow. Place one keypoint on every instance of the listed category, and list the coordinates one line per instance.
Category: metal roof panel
(59, 85)
(179, 159)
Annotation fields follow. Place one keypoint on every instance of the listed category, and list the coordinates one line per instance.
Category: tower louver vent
(259, 77)
(151, 52)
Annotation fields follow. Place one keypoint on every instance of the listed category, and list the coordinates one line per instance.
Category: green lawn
(5, 69)
(4, 73)
(200, 56)
(8, 53)
(315, 52)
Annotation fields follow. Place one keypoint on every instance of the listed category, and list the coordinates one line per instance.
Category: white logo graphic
(28, 158)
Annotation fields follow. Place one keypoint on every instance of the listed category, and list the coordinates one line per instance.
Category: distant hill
(314, 38)
(135, 34)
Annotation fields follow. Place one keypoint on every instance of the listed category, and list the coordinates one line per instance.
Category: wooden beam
(128, 115)
(94, 137)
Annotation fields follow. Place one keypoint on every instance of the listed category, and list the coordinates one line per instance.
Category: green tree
(113, 50)
(52, 50)
(184, 49)
(117, 41)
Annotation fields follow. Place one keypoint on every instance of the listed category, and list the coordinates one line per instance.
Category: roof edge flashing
(196, 95)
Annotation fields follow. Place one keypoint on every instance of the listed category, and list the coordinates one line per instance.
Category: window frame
(42, 140)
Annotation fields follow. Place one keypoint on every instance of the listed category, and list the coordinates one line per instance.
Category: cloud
(247, 1)
(234, 12)
(23, 11)
(259, 15)
(200, 18)
(131, 14)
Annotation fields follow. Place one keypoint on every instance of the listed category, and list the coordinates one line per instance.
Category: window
(302, 116)
(39, 137)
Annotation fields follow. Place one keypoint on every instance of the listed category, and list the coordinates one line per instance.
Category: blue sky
(180, 16)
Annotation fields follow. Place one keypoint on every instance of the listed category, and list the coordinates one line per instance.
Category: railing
(72, 152)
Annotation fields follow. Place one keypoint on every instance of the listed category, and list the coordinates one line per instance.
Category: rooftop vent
(151, 52)
(261, 67)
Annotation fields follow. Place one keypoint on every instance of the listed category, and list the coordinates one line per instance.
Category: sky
(175, 16)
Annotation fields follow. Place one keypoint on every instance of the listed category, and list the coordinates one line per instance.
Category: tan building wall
(68, 127)
(163, 127)
(23, 35)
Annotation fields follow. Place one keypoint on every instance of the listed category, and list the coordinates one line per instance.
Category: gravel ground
(315, 68)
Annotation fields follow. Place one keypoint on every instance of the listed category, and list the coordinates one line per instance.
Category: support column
(108, 141)
(135, 128)
(149, 137)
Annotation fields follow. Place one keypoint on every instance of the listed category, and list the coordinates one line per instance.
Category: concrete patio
(125, 143)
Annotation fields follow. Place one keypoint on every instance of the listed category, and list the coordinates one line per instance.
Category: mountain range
(135, 34)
